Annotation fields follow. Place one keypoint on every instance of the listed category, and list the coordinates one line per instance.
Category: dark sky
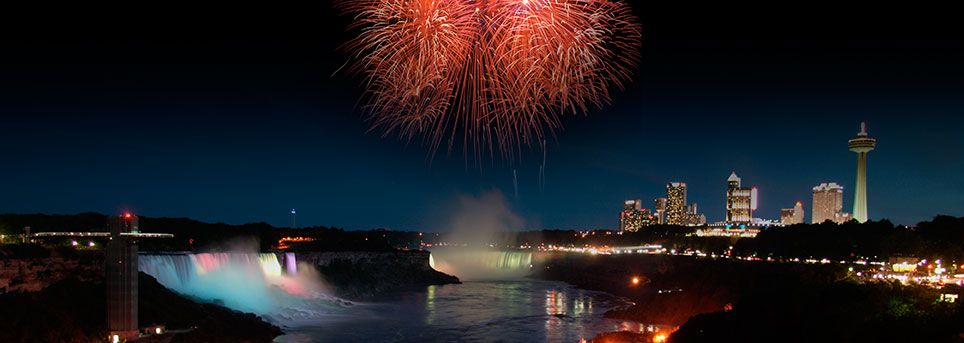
(167, 118)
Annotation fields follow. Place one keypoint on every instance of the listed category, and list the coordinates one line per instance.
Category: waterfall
(482, 264)
(249, 282)
(291, 263)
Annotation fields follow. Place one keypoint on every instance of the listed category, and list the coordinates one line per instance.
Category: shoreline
(671, 290)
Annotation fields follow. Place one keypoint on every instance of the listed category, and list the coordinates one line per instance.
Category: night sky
(175, 121)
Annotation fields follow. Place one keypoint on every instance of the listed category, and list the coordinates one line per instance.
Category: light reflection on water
(491, 311)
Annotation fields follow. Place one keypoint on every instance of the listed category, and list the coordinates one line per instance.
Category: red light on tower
(127, 215)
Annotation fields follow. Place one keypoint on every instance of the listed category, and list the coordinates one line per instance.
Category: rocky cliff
(34, 273)
(363, 275)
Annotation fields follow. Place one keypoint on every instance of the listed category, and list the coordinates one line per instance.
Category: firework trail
(542, 169)
(515, 184)
(490, 75)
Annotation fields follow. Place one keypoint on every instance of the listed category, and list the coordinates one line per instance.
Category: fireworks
(493, 74)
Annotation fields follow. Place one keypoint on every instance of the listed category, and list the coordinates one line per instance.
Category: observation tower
(861, 145)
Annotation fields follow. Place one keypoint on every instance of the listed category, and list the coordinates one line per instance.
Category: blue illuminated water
(520, 310)
(482, 311)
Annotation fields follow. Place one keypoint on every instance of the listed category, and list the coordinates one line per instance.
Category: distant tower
(121, 265)
(293, 218)
(861, 145)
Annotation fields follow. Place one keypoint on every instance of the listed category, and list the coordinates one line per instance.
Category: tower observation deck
(861, 145)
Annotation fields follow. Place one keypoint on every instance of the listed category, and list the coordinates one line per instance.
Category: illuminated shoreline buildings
(861, 145)
(790, 216)
(671, 210)
(634, 217)
(740, 201)
(828, 204)
(692, 217)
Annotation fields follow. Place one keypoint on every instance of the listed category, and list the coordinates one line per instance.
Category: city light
(635, 280)
(283, 242)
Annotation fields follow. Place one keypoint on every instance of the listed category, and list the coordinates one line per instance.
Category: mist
(477, 230)
(274, 286)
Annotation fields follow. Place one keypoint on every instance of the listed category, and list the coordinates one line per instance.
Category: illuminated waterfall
(291, 264)
(482, 264)
(248, 282)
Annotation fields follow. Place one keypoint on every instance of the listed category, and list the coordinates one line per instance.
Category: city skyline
(244, 131)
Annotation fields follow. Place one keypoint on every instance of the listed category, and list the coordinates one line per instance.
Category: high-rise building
(861, 145)
(691, 208)
(634, 220)
(692, 217)
(121, 275)
(786, 216)
(634, 217)
(675, 203)
(828, 203)
(739, 201)
(790, 216)
(798, 213)
(660, 206)
(630, 205)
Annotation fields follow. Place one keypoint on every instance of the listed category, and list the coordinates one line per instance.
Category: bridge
(101, 234)
(121, 271)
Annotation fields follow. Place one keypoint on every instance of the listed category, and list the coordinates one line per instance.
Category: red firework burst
(497, 74)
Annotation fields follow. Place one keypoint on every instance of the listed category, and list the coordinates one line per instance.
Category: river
(516, 310)
(478, 311)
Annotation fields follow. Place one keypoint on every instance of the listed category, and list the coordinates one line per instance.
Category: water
(481, 311)
(293, 297)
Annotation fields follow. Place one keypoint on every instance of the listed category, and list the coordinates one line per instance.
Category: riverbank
(719, 300)
(668, 290)
(67, 285)
(71, 310)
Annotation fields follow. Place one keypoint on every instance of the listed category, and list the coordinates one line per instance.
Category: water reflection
(430, 305)
(508, 311)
